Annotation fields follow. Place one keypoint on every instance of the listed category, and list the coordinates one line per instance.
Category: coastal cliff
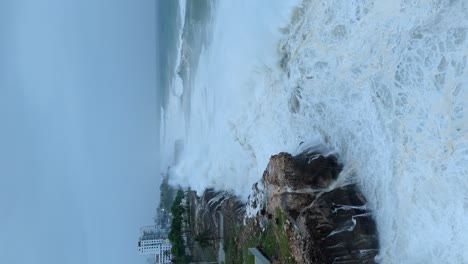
(324, 224)
(295, 214)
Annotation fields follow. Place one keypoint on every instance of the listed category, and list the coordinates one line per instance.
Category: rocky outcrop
(303, 171)
(329, 225)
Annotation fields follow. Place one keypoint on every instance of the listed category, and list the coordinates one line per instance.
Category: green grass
(233, 254)
(274, 242)
(282, 238)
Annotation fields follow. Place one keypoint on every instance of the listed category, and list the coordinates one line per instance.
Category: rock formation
(327, 225)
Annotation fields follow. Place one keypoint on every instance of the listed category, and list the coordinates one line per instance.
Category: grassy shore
(273, 240)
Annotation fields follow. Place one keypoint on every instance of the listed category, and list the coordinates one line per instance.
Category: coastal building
(154, 242)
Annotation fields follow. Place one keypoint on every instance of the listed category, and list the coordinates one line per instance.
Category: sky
(79, 126)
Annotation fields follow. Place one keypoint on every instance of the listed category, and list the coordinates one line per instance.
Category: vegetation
(167, 194)
(233, 251)
(205, 238)
(176, 232)
(273, 242)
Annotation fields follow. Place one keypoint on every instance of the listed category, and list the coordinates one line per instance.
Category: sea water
(383, 84)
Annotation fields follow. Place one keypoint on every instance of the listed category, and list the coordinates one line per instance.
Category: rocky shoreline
(296, 215)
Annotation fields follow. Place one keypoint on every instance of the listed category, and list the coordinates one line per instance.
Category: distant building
(162, 221)
(153, 242)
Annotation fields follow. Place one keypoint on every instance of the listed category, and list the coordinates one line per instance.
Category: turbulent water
(381, 83)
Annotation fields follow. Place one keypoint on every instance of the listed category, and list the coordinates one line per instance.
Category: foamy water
(383, 85)
(172, 118)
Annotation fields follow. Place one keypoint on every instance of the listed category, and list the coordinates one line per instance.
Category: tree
(175, 234)
(205, 238)
(167, 194)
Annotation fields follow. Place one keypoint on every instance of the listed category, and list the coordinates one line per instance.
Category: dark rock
(302, 171)
(341, 227)
(292, 203)
(332, 226)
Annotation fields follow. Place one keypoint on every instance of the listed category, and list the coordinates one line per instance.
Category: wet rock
(331, 226)
(341, 227)
(303, 171)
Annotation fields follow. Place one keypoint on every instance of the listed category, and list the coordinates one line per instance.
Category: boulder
(330, 225)
(303, 171)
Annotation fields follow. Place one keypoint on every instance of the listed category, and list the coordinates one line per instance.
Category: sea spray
(224, 84)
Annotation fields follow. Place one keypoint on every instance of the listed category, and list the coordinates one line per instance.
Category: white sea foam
(383, 84)
(177, 83)
(181, 20)
(172, 118)
(178, 86)
(223, 85)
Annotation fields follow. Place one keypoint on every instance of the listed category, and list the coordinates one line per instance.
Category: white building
(152, 242)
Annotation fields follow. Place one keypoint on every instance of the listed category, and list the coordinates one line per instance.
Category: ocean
(382, 85)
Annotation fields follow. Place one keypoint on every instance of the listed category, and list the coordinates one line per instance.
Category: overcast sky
(78, 129)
